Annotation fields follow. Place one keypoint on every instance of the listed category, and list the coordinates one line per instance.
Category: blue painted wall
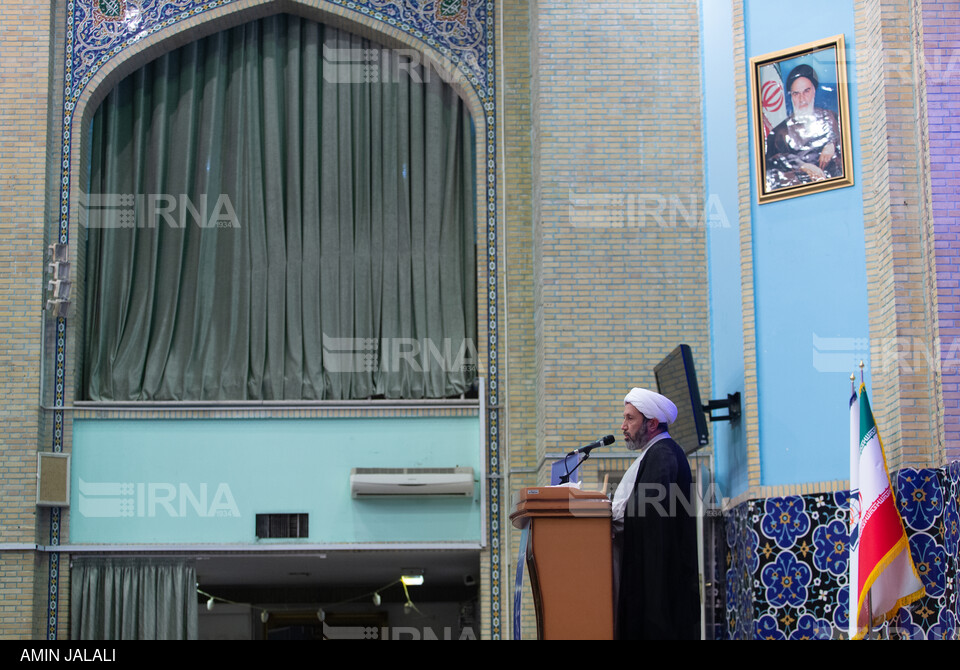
(186, 481)
(723, 240)
(809, 278)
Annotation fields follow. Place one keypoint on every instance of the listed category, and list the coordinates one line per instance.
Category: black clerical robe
(659, 595)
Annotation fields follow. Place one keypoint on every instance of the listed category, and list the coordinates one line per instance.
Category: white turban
(652, 405)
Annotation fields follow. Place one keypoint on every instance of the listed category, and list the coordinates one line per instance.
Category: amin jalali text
(68, 654)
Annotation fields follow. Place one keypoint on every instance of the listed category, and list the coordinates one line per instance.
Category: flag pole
(880, 550)
(870, 590)
(854, 466)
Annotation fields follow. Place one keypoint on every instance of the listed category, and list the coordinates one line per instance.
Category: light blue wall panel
(187, 481)
(809, 268)
(723, 240)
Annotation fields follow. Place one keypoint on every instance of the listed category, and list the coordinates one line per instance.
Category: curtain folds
(269, 220)
(132, 599)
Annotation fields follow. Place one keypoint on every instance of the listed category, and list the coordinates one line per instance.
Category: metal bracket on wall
(731, 404)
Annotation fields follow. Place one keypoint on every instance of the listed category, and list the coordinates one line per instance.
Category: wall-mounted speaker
(53, 480)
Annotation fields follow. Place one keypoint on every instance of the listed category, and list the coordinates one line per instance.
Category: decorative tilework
(457, 29)
(787, 562)
(924, 498)
(742, 561)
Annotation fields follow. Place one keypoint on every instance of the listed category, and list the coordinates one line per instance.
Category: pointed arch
(132, 343)
(140, 50)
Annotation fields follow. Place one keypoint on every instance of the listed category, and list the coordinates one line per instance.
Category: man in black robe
(655, 539)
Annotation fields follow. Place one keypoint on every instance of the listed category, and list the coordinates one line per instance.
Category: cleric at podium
(656, 578)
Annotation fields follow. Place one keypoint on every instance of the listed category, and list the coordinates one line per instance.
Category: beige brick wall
(750, 396)
(24, 63)
(517, 289)
(618, 179)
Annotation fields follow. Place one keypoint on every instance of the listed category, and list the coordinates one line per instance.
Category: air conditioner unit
(374, 482)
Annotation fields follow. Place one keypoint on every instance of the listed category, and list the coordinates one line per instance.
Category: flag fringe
(902, 545)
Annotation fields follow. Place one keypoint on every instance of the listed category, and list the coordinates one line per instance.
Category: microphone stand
(604, 441)
(565, 478)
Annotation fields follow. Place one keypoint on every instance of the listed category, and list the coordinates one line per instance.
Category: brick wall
(619, 239)
(902, 300)
(517, 245)
(941, 56)
(24, 63)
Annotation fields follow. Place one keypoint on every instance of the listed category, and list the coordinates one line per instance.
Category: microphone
(585, 450)
(602, 442)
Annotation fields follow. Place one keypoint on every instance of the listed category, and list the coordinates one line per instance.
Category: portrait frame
(801, 120)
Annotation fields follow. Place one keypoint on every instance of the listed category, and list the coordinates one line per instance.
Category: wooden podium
(569, 559)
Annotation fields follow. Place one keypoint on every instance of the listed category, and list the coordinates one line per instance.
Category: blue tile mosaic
(787, 562)
(460, 30)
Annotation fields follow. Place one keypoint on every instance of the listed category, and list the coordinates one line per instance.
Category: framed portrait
(801, 120)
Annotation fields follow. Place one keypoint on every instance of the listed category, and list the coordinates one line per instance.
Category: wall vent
(283, 525)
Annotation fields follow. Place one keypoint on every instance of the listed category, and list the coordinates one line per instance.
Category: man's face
(634, 427)
(802, 94)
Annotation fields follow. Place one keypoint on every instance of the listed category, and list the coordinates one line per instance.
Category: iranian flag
(772, 98)
(880, 561)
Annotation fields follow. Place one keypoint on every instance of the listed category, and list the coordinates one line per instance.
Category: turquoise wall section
(189, 481)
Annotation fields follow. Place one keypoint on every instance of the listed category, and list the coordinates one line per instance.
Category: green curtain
(140, 598)
(274, 215)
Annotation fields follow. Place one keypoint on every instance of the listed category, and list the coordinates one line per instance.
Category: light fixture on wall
(412, 577)
(58, 303)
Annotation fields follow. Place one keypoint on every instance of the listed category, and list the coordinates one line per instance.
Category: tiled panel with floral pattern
(787, 562)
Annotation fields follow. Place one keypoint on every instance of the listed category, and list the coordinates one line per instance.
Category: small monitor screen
(677, 379)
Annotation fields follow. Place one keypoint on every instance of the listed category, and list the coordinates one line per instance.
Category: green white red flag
(880, 561)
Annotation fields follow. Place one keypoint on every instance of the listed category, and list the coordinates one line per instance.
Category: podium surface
(569, 559)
